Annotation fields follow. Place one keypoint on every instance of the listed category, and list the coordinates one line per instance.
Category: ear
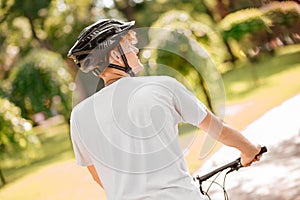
(115, 55)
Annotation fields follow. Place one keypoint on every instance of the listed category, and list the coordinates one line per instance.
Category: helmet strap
(130, 72)
(128, 69)
(96, 71)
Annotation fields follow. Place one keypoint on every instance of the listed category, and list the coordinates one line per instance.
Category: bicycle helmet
(91, 50)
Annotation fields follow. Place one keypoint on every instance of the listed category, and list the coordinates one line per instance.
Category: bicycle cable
(232, 166)
(221, 186)
(224, 190)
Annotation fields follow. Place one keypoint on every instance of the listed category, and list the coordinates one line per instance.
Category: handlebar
(233, 166)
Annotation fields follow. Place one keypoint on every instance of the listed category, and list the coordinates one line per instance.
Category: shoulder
(155, 78)
(166, 80)
(80, 107)
(154, 84)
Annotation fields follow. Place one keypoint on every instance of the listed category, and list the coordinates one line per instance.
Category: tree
(239, 26)
(41, 83)
(15, 135)
(178, 44)
(242, 24)
(31, 10)
(52, 25)
(285, 17)
(264, 29)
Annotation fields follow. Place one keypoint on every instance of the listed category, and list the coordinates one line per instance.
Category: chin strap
(96, 72)
(127, 68)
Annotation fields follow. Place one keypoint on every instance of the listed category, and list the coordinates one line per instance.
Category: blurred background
(254, 44)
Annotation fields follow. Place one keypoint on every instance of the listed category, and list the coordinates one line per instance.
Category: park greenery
(49, 81)
(16, 137)
(33, 181)
(241, 38)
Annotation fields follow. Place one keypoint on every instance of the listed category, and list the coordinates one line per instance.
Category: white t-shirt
(128, 131)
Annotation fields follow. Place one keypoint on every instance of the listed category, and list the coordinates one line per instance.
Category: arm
(230, 137)
(94, 174)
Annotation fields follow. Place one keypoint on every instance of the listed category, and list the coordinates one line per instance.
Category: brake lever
(235, 167)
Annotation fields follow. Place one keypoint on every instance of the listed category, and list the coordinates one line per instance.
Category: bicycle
(231, 166)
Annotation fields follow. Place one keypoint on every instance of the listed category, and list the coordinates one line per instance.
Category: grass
(56, 147)
(278, 81)
(281, 71)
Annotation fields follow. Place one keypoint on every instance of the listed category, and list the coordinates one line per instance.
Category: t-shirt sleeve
(190, 109)
(81, 154)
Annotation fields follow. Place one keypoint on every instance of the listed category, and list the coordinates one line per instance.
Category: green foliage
(29, 7)
(285, 17)
(43, 23)
(23, 21)
(40, 83)
(65, 21)
(180, 49)
(15, 135)
(260, 31)
(2, 92)
(243, 22)
(183, 23)
(146, 12)
(285, 13)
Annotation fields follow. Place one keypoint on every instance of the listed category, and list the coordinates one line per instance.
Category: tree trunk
(2, 177)
(232, 58)
(206, 92)
(222, 9)
(42, 43)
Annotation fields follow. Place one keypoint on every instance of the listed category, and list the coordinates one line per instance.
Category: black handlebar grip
(262, 150)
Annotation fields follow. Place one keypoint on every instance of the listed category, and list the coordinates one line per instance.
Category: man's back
(128, 131)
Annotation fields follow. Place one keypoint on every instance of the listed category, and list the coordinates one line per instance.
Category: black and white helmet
(91, 50)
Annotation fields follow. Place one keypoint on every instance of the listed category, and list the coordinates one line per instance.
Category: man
(126, 134)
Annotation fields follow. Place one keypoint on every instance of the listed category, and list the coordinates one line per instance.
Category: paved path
(277, 176)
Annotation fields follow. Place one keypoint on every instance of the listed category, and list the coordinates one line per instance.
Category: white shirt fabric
(128, 131)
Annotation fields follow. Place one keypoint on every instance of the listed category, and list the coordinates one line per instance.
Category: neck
(111, 75)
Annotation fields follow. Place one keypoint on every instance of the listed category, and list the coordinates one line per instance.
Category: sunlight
(108, 3)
